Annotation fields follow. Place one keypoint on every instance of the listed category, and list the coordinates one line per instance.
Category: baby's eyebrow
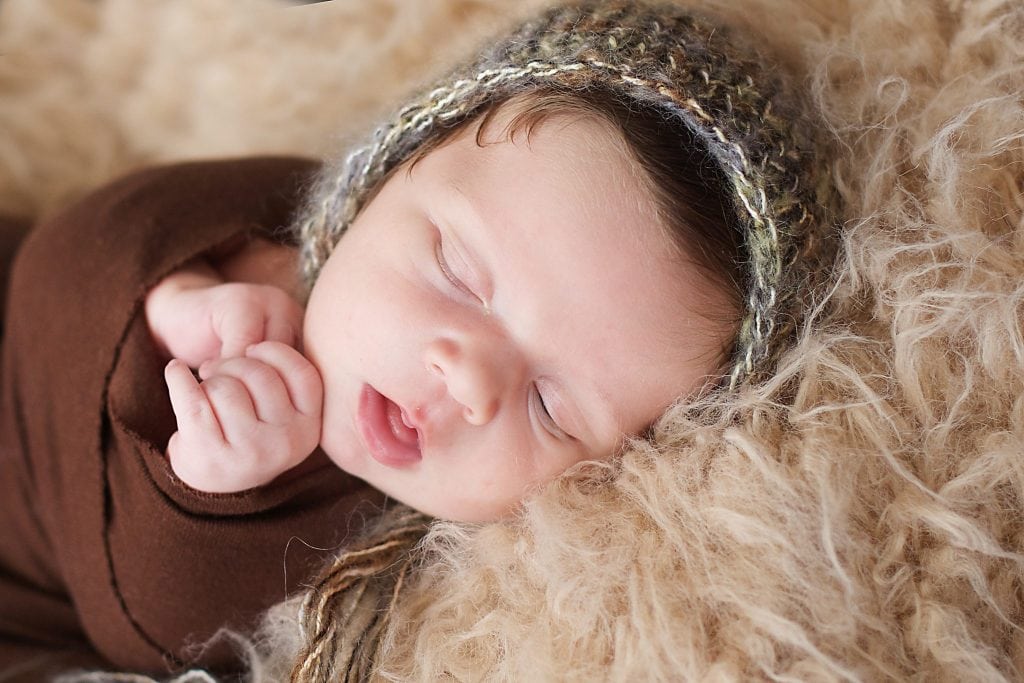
(467, 207)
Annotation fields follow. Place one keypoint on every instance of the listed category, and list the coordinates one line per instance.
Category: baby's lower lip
(378, 418)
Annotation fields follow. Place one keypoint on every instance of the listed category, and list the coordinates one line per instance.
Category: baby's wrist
(209, 470)
(193, 276)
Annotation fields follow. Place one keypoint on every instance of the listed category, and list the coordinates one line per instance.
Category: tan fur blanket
(868, 527)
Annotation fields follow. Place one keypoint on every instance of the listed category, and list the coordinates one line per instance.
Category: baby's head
(547, 251)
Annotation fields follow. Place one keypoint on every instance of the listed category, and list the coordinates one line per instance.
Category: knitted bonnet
(685, 67)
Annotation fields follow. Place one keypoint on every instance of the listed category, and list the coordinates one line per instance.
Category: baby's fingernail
(249, 348)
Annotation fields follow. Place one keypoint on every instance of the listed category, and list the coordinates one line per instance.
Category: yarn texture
(868, 527)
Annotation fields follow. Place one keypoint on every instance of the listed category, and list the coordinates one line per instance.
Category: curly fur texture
(859, 517)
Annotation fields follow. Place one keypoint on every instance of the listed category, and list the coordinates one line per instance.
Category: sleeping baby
(512, 302)
(601, 216)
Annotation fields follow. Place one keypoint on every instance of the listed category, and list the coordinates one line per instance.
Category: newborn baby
(512, 302)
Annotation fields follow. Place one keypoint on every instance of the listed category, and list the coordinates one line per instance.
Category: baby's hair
(686, 185)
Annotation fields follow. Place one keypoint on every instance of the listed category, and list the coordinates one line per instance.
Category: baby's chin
(347, 456)
(430, 492)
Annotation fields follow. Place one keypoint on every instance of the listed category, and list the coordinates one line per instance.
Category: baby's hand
(252, 418)
(196, 318)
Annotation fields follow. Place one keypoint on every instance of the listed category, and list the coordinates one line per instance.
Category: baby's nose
(472, 376)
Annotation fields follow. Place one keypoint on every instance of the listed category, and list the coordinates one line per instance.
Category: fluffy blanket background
(860, 518)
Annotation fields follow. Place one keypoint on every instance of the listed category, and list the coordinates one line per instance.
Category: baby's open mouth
(386, 430)
(401, 427)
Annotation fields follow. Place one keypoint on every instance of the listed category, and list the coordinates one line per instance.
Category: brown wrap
(105, 557)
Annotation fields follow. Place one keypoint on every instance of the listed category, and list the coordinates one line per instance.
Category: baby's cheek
(337, 438)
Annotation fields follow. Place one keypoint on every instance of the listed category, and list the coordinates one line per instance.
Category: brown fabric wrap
(105, 557)
(12, 232)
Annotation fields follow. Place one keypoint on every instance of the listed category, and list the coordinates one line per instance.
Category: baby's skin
(496, 314)
(256, 413)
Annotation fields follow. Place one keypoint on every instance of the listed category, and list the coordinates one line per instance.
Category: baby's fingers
(191, 406)
(239, 327)
(248, 314)
(264, 387)
(300, 377)
(284, 325)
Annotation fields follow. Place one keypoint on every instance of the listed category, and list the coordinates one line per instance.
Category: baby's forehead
(518, 118)
(583, 141)
(574, 172)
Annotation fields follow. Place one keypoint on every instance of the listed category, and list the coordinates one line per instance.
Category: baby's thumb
(239, 331)
(285, 327)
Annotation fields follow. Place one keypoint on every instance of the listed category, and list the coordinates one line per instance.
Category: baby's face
(499, 314)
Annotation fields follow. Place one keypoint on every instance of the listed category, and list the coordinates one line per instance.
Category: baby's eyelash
(446, 269)
(547, 418)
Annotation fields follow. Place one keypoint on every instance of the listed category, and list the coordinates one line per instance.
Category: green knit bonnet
(684, 66)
